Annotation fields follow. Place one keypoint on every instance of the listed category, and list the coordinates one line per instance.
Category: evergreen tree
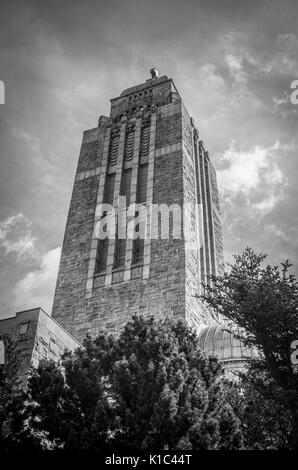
(264, 303)
(150, 388)
(14, 433)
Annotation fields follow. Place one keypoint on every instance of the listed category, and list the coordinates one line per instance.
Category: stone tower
(147, 152)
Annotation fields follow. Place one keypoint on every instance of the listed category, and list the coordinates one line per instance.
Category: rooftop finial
(154, 73)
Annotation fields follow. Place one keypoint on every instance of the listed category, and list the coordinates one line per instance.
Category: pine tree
(150, 388)
(263, 302)
(14, 434)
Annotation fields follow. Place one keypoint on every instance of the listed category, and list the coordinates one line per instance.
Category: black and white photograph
(148, 228)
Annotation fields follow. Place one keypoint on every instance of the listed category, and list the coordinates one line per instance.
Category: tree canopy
(263, 302)
(153, 388)
(150, 388)
(13, 430)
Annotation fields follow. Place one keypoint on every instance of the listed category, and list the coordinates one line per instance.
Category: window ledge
(101, 273)
(115, 270)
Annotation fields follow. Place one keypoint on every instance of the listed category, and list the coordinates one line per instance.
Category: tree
(13, 431)
(263, 302)
(150, 388)
(265, 420)
(69, 407)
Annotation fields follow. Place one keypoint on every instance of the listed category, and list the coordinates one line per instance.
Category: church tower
(144, 227)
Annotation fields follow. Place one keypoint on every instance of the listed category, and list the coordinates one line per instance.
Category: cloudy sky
(61, 61)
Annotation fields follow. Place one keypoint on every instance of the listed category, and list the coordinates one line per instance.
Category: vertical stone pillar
(202, 158)
(200, 211)
(211, 221)
(100, 195)
(197, 203)
(112, 242)
(133, 194)
(149, 197)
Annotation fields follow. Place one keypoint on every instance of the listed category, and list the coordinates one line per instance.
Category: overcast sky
(61, 61)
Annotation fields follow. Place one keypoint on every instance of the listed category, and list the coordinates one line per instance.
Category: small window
(120, 251)
(109, 189)
(102, 255)
(138, 250)
(24, 328)
(141, 196)
(126, 184)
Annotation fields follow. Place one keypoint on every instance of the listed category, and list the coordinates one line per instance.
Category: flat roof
(152, 82)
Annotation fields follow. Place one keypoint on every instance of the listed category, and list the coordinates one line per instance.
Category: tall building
(147, 153)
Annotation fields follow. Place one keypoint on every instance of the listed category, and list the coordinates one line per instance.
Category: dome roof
(221, 341)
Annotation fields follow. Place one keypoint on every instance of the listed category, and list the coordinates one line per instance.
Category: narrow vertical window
(113, 149)
(120, 250)
(142, 183)
(129, 146)
(126, 185)
(145, 142)
(138, 249)
(109, 189)
(102, 255)
(103, 244)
